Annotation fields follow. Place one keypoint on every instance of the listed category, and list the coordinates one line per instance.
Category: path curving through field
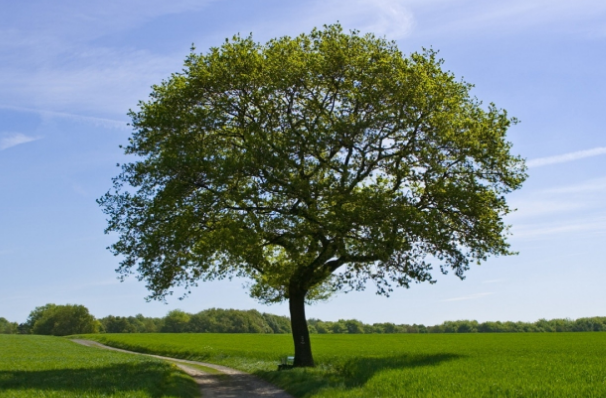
(229, 383)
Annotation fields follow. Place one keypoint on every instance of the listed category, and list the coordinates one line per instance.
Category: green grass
(404, 365)
(44, 366)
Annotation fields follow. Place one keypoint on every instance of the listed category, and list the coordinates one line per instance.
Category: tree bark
(300, 333)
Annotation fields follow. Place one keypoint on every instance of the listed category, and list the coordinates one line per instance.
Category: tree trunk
(300, 333)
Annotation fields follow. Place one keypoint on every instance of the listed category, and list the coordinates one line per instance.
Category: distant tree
(278, 324)
(321, 327)
(488, 327)
(388, 327)
(311, 164)
(338, 327)
(354, 326)
(236, 321)
(594, 324)
(63, 320)
(150, 325)
(466, 326)
(176, 321)
(28, 326)
(7, 327)
(368, 329)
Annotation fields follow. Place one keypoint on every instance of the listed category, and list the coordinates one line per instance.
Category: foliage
(7, 327)
(36, 314)
(594, 324)
(311, 164)
(61, 320)
(176, 321)
(411, 365)
(277, 323)
(463, 326)
(217, 320)
(213, 320)
(131, 324)
(51, 367)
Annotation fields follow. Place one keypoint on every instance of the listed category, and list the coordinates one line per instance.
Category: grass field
(43, 366)
(404, 365)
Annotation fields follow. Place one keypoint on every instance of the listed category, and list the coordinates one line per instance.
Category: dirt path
(230, 383)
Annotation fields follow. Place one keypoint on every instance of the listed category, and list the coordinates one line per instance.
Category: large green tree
(61, 320)
(311, 164)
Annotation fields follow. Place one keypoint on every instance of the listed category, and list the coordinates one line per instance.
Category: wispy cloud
(53, 61)
(565, 201)
(391, 18)
(571, 228)
(10, 140)
(97, 121)
(597, 185)
(81, 20)
(98, 81)
(567, 157)
(468, 16)
(385, 17)
(470, 297)
(542, 206)
(576, 211)
(494, 281)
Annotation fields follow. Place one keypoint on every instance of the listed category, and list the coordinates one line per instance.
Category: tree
(63, 320)
(176, 321)
(38, 312)
(7, 327)
(309, 165)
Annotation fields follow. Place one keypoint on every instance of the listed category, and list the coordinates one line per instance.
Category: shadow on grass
(348, 374)
(155, 379)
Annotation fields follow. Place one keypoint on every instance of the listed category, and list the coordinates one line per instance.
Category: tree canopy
(7, 327)
(309, 165)
(61, 320)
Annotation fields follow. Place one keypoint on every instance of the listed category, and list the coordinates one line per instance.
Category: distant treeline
(74, 319)
(7, 327)
(213, 320)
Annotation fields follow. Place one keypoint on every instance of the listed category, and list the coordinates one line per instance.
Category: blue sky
(70, 71)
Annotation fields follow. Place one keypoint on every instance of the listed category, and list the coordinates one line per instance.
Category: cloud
(383, 17)
(574, 211)
(52, 61)
(567, 157)
(391, 18)
(543, 206)
(594, 225)
(494, 281)
(443, 17)
(470, 297)
(96, 121)
(13, 139)
(597, 185)
(77, 21)
(100, 81)
(564, 200)
(59, 65)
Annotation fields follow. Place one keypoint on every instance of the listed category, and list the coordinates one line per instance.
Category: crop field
(43, 366)
(404, 365)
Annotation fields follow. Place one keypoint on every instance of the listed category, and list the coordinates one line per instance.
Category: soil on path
(229, 383)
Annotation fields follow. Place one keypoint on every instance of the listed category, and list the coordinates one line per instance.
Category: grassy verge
(43, 366)
(464, 365)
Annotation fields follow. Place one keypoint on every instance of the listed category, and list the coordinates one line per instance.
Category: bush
(7, 327)
(62, 320)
